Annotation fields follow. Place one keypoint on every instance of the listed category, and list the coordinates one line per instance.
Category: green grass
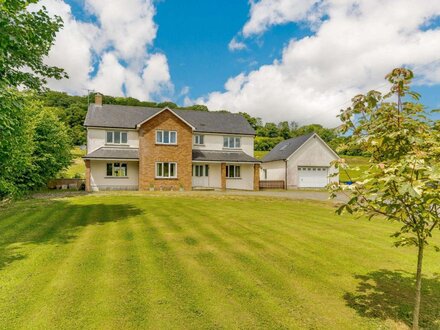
(354, 161)
(77, 168)
(194, 261)
(260, 154)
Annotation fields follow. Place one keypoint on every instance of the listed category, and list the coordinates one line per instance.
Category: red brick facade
(88, 174)
(150, 152)
(256, 176)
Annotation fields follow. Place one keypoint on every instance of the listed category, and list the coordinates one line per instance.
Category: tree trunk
(416, 311)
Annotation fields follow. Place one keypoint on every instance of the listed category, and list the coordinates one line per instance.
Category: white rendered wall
(276, 170)
(100, 181)
(96, 139)
(313, 153)
(215, 142)
(246, 182)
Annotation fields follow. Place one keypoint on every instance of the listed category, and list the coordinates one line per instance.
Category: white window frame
(200, 170)
(232, 142)
(113, 135)
(115, 168)
(199, 139)
(265, 173)
(228, 172)
(160, 136)
(162, 175)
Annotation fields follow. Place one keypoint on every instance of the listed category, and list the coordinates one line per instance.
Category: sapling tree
(402, 183)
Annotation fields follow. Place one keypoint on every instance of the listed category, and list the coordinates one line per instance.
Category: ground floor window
(233, 171)
(117, 169)
(265, 174)
(166, 170)
(200, 170)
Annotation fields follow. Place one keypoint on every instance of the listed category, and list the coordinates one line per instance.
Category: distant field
(78, 167)
(260, 154)
(353, 161)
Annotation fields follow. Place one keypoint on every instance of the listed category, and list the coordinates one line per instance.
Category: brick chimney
(98, 99)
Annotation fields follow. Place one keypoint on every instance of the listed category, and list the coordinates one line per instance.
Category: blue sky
(195, 36)
(295, 60)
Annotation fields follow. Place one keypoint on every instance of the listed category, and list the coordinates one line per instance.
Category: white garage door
(312, 177)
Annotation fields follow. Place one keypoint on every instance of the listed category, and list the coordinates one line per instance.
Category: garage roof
(285, 148)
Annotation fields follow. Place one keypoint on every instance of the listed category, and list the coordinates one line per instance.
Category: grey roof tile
(223, 156)
(285, 148)
(118, 116)
(113, 153)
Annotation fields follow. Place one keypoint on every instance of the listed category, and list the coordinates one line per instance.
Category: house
(140, 148)
(302, 162)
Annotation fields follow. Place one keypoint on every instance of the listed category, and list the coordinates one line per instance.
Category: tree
(402, 182)
(25, 40)
(197, 107)
(327, 134)
(255, 122)
(284, 130)
(51, 153)
(15, 143)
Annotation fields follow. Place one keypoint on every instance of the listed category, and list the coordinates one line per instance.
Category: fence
(272, 184)
(74, 184)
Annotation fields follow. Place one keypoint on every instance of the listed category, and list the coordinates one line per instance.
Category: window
(166, 137)
(200, 170)
(233, 171)
(116, 137)
(265, 174)
(117, 169)
(166, 170)
(231, 142)
(199, 139)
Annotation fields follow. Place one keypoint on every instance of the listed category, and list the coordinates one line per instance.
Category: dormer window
(116, 137)
(199, 139)
(231, 142)
(166, 137)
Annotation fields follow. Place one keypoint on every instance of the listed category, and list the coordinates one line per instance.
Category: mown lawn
(190, 261)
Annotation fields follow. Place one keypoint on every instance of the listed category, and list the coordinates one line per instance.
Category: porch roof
(113, 153)
(222, 156)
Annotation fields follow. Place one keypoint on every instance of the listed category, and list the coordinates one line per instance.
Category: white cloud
(236, 45)
(352, 50)
(265, 13)
(118, 42)
(127, 25)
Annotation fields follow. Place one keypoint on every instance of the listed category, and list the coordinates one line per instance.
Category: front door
(200, 176)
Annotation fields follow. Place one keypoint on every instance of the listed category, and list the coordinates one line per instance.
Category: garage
(302, 162)
(312, 176)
